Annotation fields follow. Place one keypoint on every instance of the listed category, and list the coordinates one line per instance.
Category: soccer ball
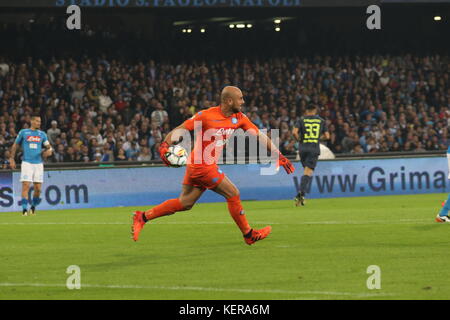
(177, 156)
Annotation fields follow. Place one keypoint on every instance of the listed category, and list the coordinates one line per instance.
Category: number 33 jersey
(31, 142)
(310, 128)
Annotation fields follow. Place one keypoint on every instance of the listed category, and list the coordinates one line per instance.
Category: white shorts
(32, 172)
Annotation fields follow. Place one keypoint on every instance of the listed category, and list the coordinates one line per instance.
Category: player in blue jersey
(443, 213)
(32, 141)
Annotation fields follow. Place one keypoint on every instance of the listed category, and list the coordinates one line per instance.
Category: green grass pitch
(320, 251)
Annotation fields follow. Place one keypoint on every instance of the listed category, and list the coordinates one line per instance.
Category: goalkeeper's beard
(236, 108)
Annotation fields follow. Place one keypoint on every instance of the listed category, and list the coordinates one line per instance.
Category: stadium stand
(102, 107)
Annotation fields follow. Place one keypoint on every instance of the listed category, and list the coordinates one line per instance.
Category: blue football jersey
(31, 142)
(448, 161)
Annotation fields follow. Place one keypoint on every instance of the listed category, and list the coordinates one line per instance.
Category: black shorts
(309, 159)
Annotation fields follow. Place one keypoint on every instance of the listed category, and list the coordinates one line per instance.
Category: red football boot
(138, 224)
(256, 235)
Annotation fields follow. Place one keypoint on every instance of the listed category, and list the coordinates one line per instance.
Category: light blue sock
(445, 208)
(24, 204)
(36, 201)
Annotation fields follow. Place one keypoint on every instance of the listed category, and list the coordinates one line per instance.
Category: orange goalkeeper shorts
(205, 177)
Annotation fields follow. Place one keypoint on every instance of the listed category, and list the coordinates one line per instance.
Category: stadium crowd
(106, 109)
(107, 106)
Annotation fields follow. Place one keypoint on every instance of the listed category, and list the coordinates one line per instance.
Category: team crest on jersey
(34, 139)
(234, 120)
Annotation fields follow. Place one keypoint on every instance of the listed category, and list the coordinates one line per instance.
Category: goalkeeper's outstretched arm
(281, 160)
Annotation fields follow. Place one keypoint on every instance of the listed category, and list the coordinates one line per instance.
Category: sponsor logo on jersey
(34, 139)
(225, 131)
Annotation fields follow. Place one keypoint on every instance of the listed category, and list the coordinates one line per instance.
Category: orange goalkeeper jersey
(212, 131)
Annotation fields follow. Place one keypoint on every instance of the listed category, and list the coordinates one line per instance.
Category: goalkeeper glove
(285, 163)
(163, 149)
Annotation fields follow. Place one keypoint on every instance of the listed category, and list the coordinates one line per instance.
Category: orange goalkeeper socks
(237, 212)
(166, 208)
(173, 205)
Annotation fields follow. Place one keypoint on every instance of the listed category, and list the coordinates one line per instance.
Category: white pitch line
(188, 288)
(401, 221)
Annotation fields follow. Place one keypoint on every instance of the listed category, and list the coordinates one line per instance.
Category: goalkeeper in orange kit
(202, 172)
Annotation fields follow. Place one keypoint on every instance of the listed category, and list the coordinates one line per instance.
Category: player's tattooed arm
(12, 162)
(48, 150)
